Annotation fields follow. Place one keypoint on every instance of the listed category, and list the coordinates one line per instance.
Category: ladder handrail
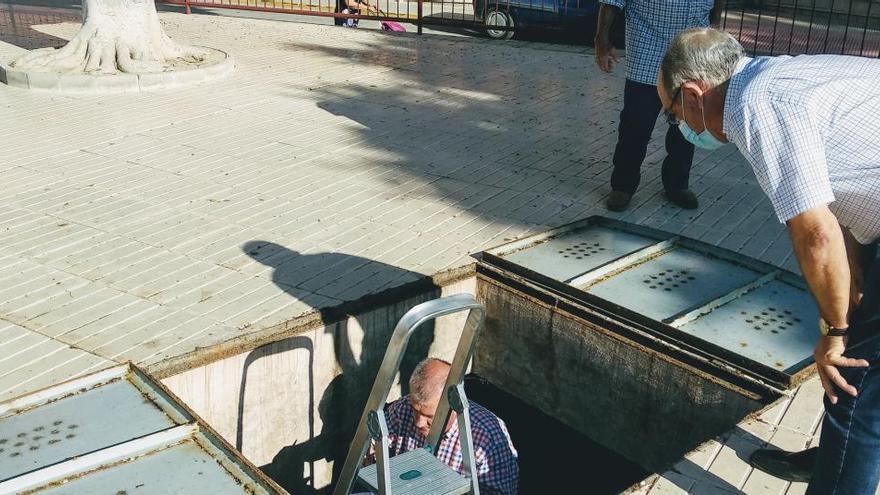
(384, 381)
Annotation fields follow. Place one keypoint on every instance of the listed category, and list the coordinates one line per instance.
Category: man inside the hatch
(409, 422)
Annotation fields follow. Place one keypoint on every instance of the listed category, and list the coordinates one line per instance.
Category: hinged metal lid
(731, 308)
(116, 431)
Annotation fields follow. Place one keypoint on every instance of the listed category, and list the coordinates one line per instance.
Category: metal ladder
(417, 472)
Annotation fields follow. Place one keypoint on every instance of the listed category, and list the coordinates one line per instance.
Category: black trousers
(641, 106)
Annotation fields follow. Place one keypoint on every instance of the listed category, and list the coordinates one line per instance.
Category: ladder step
(418, 473)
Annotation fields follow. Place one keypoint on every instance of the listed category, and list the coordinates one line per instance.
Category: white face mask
(705, 139)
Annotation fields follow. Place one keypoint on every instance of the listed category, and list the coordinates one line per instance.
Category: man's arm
(715, 14)
(606, 54)
(821, 253)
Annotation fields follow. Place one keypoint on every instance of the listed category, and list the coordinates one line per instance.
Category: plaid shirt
(497, 469)
(651, 25)
(810, 127)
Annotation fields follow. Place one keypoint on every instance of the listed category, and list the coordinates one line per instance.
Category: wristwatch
(829, 331)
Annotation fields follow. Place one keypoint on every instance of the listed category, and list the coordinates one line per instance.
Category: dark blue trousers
(848, 462)
(641, 106)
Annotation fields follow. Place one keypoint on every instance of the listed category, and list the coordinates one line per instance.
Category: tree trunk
(116, 36)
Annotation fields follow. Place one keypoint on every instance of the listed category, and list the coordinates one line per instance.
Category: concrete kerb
(99, 84)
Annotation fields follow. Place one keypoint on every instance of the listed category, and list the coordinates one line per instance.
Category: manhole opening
(552, 455)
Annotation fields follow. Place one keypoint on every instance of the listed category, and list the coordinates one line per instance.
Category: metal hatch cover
(116, 431)
(76, 424)
(748, 314)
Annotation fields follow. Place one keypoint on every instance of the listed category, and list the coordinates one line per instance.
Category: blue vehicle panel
(514, 14)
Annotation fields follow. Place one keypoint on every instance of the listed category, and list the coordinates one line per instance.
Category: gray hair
(425, 385)
(700, 54)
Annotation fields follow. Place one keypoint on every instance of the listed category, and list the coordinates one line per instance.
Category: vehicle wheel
(499, 18)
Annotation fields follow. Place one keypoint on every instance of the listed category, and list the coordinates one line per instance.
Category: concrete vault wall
(632, 400)
(292, 406)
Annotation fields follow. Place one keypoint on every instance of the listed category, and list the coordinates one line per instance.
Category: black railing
(777, 27)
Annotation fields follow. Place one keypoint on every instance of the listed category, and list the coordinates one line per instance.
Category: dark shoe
(788, 466)
(683, 198)
(618, 200)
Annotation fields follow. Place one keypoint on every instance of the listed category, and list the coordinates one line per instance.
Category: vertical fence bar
(828, 28)
(419, 14)
(742, 20)
(757, 29)
(865, 32)
(724, 17)
(810, 29)
(791, 31)
(846, 27)
(775, 24)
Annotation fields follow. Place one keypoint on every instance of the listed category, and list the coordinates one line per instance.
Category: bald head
(427, 380)
(425, 390)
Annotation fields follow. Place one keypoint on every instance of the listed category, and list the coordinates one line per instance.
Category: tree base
(117, 36)
(93, 51)
(213, 64)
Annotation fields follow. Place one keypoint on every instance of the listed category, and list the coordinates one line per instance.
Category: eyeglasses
(671, 119)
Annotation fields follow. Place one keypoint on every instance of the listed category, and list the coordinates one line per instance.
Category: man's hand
(829, 355)
(606, 56)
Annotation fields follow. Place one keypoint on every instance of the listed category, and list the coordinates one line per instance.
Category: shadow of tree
(17, 21)
(503, 139)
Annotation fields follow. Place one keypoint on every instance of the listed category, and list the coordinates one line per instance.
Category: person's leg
(848, 462)
(677, 164)
(641, 105)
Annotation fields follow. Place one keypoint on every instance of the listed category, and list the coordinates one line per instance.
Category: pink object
(393, 26)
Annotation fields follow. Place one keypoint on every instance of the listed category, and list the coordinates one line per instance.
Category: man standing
(409, 422)
(650, 26)
(809, 127)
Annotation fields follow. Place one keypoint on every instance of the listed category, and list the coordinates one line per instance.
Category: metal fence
(419, 12)
(765, 27)
(775, 27)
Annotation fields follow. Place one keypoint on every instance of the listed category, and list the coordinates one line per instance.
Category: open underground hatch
(646, 342)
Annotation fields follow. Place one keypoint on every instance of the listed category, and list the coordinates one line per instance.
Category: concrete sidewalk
(334, 164)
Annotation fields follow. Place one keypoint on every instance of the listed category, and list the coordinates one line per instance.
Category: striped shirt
(810, 127)
(495, 456)
(651, 25)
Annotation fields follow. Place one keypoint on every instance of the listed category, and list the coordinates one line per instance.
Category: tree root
(91, 52)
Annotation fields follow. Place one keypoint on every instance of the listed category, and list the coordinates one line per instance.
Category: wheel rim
(497, 19)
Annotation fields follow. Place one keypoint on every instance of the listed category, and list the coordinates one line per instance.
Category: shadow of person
(360, 302)
(293, 467)
(336, 284)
